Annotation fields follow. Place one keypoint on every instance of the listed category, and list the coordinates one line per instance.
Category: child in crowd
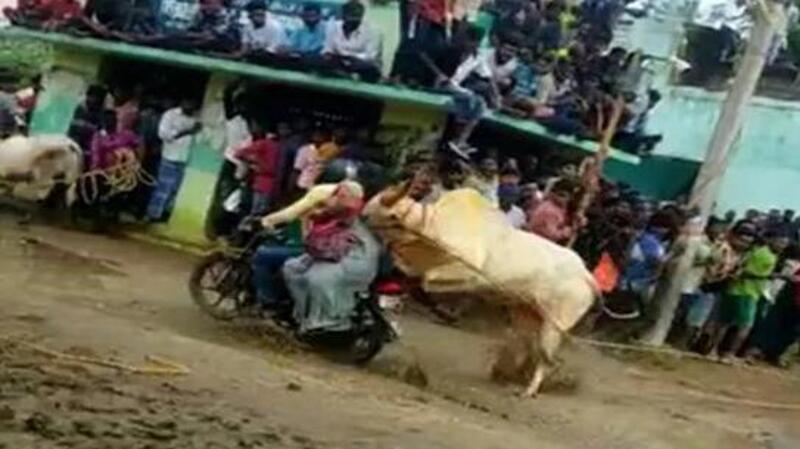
(312, 158)
(739, 305)
(263, 157)
(646, 258)
(719, 262)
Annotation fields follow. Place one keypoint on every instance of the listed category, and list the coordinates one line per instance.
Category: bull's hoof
(529, 394)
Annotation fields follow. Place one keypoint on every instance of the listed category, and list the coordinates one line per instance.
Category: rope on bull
(122, 177)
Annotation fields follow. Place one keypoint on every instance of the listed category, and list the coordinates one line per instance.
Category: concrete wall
(765, 169)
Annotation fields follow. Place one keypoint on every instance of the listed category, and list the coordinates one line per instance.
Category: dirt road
(107, 298)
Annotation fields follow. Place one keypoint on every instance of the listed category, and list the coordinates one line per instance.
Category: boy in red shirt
(263, 155)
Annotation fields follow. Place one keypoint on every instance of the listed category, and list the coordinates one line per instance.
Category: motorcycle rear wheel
(367, 344)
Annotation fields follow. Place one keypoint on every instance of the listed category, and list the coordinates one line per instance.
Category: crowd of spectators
(241, 30)
(741, 297)
(545, 60)
(548, 61)
(268, 162)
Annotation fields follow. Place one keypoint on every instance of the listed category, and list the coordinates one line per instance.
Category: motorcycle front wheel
(217, 286)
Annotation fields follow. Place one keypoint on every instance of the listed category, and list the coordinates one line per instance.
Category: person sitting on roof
(213, 29)
(309, 38)
(116, 19)
(108, 16)
(352, 46)
(478, 83)
(47, 14)
(262, 35)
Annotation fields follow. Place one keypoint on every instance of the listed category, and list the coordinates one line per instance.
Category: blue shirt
(525, 82)
(307, 41)
(647, 253)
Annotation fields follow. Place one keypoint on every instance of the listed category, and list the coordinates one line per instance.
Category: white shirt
(485, 65)
(516, 217)
(365, 43)
(237, 134)
(270, 37)
(716, 13)
(174, 122)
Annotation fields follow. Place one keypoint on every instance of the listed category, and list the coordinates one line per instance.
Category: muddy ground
(123, 301)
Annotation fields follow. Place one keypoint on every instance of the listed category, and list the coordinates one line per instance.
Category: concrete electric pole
(707, 185)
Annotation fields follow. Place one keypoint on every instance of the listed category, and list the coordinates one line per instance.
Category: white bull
(31, 166)
(460, 244)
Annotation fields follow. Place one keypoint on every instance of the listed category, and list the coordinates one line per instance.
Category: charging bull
(461, 244)
(30, 167)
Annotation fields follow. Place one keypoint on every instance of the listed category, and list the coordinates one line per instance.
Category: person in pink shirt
(108, 143)
(307, 164)
(550, 217)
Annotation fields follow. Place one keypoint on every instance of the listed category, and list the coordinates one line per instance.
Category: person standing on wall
(176, 130)
(427, 33)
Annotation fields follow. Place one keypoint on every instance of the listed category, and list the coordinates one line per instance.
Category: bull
(31, 167)
(460, 244)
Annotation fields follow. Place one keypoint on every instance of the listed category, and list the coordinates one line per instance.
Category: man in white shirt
(262, 33)
(177, 129)
(353, 46)
(494, 65)
(481, 78)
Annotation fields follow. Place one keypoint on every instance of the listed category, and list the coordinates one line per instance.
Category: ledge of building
(380, 92)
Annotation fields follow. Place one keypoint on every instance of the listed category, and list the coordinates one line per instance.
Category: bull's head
(33, 165)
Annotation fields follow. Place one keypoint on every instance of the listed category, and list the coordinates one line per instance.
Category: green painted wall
(64, 87)
(660, 177)
(765, 169)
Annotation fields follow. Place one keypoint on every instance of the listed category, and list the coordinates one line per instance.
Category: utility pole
(707, 185)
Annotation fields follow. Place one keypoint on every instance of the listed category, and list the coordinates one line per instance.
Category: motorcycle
(221, 285)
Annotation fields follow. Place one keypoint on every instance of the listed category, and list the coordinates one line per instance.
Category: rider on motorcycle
(340, 256)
